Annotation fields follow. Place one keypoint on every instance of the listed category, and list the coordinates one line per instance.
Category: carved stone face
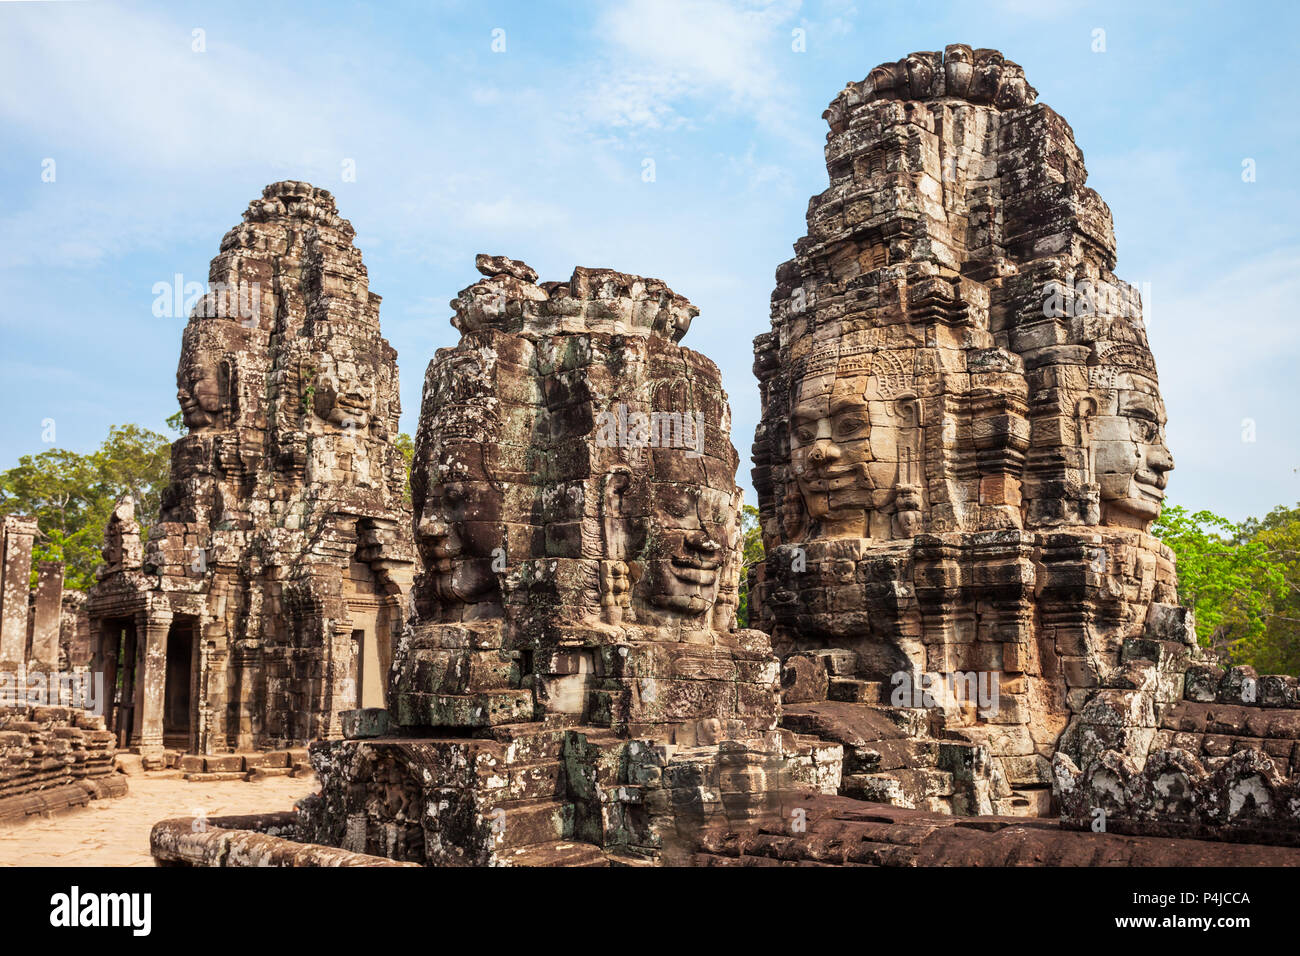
(920, 73)
(1013, 91)
(841, 473)
(1130, 460)
(340, 397)
(685, 549)
(883, 79)
(958, 69)
(198, 388)
(457, 526)
(988, 75)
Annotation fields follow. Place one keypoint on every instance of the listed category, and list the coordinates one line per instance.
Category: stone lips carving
(283, 550)
(961, 446)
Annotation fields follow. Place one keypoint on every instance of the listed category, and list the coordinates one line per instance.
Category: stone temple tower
(572, 682)
(962, 446)
(269, 596)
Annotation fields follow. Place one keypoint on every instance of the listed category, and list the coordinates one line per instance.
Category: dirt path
(116, 832)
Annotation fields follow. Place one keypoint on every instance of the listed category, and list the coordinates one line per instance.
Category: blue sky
(537, 152)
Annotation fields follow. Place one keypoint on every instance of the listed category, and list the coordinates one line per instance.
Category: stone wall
(1224, 764)
(51, 757)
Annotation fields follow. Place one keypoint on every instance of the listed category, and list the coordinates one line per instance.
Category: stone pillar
(128, 715)
(152, 628)
(214, 675)
(16, 538)
(78, 642)
(104, 660)
(47, 617)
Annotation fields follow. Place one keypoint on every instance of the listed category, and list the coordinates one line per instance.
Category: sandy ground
(116, 832)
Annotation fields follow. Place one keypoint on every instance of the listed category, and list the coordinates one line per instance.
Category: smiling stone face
(339, 395)
(198, 388)
(457, 527)
(457, 503)
(844, 451)
(685, 550)
(1130, 460)
(830, 446)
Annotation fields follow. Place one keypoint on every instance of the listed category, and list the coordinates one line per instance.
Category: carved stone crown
(978, 76)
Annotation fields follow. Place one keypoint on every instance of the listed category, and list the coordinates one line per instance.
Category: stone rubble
(52, 757)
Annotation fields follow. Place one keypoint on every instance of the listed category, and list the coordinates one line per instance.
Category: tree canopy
(752, 542)
(1241, 581)
(72, 495)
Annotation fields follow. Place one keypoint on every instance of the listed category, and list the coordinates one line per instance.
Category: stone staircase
(924, 758)
(526, 803)
(552, 793)
(891, 755)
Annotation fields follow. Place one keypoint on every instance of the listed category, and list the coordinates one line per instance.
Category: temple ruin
(572, 682)
(960, 458)
(961, 612)
(55, 752)
(269, 596)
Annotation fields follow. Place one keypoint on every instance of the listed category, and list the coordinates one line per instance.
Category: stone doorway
(370, 670)
(179, 699)
(118, 658)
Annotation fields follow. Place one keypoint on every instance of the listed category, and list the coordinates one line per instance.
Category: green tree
(1229, 578)
(752, 554)
(1277, 648)
(72, 495)
(406, 446)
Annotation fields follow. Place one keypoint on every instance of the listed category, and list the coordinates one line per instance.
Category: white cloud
(1226, 347)
(669, 57)
(754, 173)
(130, 85)
(1037, 9)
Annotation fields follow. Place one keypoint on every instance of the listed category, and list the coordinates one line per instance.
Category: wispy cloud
(675, 61)
(131, 85)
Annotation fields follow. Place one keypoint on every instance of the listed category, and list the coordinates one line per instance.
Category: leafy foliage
(406, 445)
(752, 536)
(72, 495)
(1277, 649)
(1238, 580)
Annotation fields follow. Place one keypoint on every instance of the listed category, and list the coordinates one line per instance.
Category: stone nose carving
(1161, 462)
(824, 452)
(432, 525)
